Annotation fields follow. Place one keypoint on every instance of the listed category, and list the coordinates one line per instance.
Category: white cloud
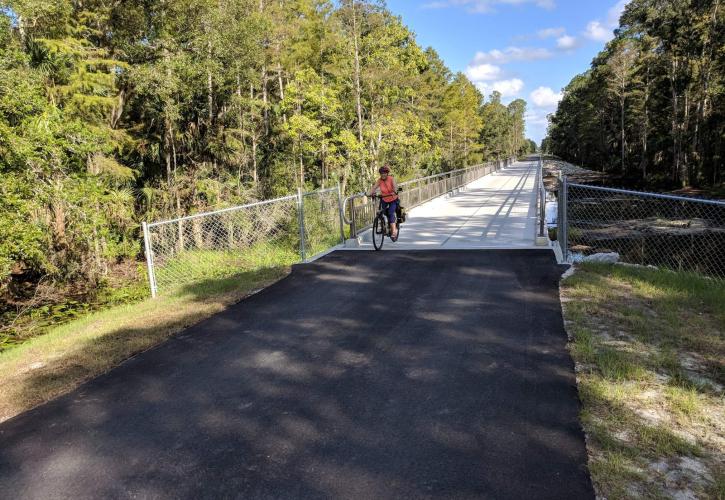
(486, 6)
(544, 97)
(615, 13)
(567, 42)
(597, 32)
(537, 122)
(510, 54)
(507, 88)
(482, 72)
(536, 118)
(601, 31)
(550, 33)
(543, 102)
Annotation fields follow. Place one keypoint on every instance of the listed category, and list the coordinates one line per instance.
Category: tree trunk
(645, 131)
(242, 135)
(117, 111)
(358, 103)
(254, 143)
(279, 82)
(21, 30)
(621, 124)
(675, 112)
(264, 100)
(60, 240)
(685, 172)
(302, 174)
(210, 96)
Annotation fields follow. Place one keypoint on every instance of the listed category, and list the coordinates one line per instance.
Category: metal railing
(211, 245)
(675, 232)
(541, 198)
(562, 222)
(358, 209)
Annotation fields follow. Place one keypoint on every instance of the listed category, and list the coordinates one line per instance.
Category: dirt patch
(554, 169)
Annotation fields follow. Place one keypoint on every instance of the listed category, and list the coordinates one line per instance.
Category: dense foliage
(113, 112)
(652, 106)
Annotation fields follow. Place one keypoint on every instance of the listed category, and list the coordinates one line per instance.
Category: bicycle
(381, 225)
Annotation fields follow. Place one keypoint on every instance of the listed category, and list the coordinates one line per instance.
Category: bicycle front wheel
(379, 231)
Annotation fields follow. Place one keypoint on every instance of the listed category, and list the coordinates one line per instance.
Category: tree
(662, 77)
(116, 112)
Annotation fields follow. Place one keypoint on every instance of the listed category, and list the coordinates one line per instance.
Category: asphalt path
(362, 375)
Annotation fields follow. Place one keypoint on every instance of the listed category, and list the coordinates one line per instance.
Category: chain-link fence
(271, 233)
(322, 223)
(359, 209)
(674, 232)
(226, 242)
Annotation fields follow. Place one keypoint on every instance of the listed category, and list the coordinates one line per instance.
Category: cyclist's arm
(395, 186)
(375, 186)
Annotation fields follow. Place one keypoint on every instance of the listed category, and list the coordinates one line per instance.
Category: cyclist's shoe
(395, 238)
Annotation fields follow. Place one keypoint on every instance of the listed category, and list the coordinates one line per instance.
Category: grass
(650, 348)
(200, 265)
(192, 286)
(58, 361)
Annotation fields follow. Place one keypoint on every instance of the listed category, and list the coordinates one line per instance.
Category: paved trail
(495, 211)
(362, 375)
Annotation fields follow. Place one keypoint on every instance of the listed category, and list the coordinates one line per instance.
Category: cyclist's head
(384, 170)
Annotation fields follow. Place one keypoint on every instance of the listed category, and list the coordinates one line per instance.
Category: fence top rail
(450, 173)
(650, 195)
(221, 211)
(320, 191)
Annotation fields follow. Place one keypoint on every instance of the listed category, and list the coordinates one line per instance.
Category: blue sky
(523, 48)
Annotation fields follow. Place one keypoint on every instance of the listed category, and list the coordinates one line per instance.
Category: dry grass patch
(649, 346)
(54, 363)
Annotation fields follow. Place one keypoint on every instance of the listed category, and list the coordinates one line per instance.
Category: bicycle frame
(381, 212)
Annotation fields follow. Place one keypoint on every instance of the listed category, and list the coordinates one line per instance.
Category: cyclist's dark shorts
(390, 209)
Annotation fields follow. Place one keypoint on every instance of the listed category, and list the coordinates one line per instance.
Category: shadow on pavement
(362, 375)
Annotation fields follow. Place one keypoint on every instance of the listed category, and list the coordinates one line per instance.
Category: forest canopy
(115, 112)
(652, 106)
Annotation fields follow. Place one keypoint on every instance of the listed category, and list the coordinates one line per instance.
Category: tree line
(113, 112)
(651, 108)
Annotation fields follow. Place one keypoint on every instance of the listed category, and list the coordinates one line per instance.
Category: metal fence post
(149, 258)
(564, 219)
(342, 219)
(353, 219)
(301, 219)
(542, 196)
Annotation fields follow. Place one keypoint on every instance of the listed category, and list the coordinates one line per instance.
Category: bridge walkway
(495, 211)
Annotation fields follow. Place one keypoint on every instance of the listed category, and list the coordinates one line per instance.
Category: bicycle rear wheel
(379, 231)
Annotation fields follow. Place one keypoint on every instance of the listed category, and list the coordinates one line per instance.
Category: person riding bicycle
(389, 194)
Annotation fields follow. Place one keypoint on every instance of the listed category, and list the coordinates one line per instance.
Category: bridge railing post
(301, 222)
(563, 229)
(340, 213)
(353, 219)
(542, 201)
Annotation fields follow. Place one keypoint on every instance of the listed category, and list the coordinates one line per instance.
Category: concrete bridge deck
(495, 211)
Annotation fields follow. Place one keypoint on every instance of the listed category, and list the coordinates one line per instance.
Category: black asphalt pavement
(363, 375)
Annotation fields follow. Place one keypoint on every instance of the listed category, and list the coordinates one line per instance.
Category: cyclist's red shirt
(386, 189)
